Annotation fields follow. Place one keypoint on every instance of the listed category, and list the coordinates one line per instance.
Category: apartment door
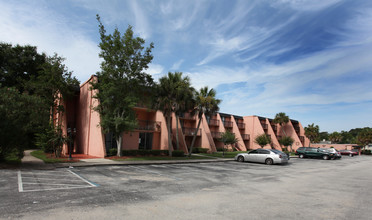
(145, 141)
(110, 141)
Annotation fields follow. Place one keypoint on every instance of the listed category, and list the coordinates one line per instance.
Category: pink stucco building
(152, 132)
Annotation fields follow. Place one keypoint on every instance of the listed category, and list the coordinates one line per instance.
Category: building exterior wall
(336, 146)
(240, 145)
(91, 140)
(273, 136)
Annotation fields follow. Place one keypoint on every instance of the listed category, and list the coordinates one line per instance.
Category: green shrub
(366, 152)
(129, 152)
(145, 152)
(219, 149)
(112, 152)
(200, 150)
(178, 153)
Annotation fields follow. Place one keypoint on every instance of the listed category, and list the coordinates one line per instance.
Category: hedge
(144, 152)
(199, 150)
(178, 153)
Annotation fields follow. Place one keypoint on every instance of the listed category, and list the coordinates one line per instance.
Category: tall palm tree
(205, 103)
(335, 137)
(281, 118)
(312, 132)
(184, 102)
(167, 95)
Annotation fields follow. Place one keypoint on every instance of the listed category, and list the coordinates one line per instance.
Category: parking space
(45, 180)
(303, 188)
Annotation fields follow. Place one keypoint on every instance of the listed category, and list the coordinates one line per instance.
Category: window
(263, 151)
(276, 151)
(254, 152)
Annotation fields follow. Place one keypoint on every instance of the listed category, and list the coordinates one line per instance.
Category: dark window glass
(263, 151)
(253, 152)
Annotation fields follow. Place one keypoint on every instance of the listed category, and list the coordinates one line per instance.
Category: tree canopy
(31, 85)
(228, 138)
(122, 81)
(312, 132)
(281, 118)
(173, 94)
(205, 103)
(262, 140)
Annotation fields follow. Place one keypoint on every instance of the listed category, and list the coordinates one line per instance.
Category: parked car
(349, 152)
(337, 154)
(267, 156)
(313, 152)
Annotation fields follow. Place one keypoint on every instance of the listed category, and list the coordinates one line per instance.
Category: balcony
(264, 126)
(149, 125)
(214, 122)
(187, 116)
(241, 125)
(297, 129)
(190, 131)
(245, 137)
(216, 134)
(274, 127)
(228, 124)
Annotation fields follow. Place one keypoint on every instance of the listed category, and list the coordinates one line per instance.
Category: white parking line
(20, 185)
(44, 181)
(90, 183)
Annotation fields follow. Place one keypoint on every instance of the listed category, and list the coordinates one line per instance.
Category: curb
(127, 163)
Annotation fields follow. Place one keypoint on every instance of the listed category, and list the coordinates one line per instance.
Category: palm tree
(184, 102)
(167, 96)
(364, 137)
(227, 138)
(312, 132)
(205, 103)
(262, 140)
(335, 137)
(281, 118)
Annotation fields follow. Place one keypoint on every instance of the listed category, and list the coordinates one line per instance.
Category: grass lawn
(156, 158)
(227, 154)
(49, 158)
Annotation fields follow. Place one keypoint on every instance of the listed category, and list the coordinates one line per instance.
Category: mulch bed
(63, 158)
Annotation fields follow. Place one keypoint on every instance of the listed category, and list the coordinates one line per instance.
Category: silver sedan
(267, 156)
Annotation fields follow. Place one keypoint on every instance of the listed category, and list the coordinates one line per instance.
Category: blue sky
(311, 59)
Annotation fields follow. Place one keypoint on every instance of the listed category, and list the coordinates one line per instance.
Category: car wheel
(351, 155)
(325, 157)
(240, 159)
(301, 156)
(269, 161)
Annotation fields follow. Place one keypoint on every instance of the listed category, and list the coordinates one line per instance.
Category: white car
(267, 156)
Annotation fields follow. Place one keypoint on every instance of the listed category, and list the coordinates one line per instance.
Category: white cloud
(51, 34)
(155, 70)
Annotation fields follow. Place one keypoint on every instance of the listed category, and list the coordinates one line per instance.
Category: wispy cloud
(176, 66)
(304, 57)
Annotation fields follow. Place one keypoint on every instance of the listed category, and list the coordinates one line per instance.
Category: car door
(262, 155)
(311, 152)
(252, 156)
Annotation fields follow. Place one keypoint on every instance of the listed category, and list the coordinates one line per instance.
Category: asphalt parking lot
(304, 188)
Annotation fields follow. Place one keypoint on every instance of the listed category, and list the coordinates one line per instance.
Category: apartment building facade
(81, 121)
